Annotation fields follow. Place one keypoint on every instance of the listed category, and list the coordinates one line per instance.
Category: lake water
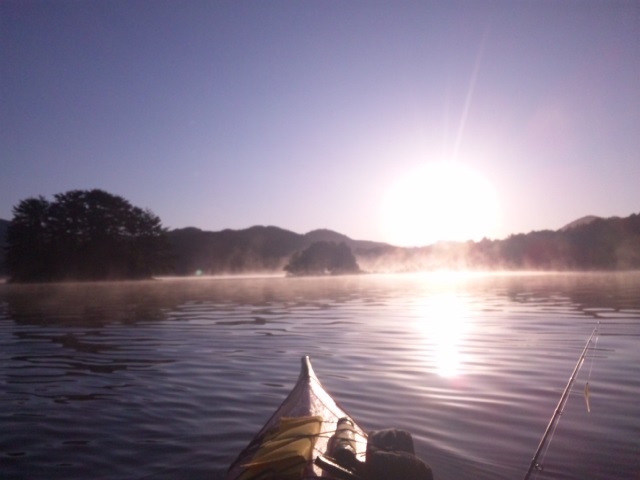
(171, 378)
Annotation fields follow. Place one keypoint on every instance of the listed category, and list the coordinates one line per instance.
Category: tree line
(84, 235)
(602, 244)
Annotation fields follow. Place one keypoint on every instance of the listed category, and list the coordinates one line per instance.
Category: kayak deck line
(306, 400)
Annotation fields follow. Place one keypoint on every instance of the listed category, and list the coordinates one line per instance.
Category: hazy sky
(306, 114)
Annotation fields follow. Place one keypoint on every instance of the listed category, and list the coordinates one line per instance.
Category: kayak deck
(308, 398)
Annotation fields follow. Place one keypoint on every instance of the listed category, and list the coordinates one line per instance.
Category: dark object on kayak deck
(390, 455)
(343, 444)
(391, 439)
(335, 471)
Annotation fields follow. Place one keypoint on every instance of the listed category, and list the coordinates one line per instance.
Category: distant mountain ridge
(254, 249)
(586, 220)
(588, 243)
(324, 235)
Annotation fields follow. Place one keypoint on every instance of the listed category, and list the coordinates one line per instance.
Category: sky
(402, 121)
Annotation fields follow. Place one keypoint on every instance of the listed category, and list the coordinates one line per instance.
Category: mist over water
(171, 378)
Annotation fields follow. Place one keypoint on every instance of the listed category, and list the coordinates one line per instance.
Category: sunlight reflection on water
(443, 320)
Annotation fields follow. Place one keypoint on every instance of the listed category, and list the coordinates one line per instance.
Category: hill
(589, 243)
(324, 235)
(254, 249)
(579, 222)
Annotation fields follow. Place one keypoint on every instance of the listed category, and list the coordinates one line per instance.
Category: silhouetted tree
(4, 225)
(321, 258)
(84, 234)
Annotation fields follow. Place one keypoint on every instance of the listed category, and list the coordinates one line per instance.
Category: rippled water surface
(171, 378)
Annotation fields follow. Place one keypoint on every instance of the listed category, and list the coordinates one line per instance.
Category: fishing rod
(563, 400)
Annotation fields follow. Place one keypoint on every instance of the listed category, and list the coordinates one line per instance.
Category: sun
(444, 201)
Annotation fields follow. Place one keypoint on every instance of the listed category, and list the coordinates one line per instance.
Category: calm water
(170, 379)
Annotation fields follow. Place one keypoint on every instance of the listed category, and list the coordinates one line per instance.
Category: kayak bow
(300, 431)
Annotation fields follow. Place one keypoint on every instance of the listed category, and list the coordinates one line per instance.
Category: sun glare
(443, 323)
(440, 202)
